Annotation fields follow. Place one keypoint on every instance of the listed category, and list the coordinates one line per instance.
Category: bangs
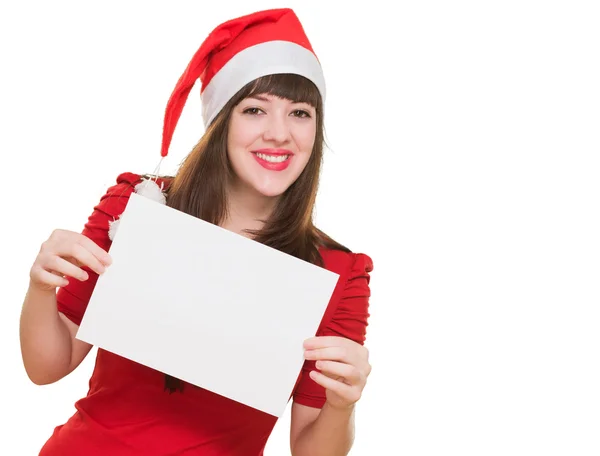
(290, 86)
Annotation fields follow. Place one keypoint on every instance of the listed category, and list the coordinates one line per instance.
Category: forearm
(331, 434)
(45, 340)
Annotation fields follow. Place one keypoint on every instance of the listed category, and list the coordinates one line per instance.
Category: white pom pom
(151, 190)
(148, 189)
(112, 228)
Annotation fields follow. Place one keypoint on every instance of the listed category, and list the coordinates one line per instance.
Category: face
(270, 142)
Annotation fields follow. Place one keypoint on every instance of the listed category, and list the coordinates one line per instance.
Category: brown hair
(199, 186)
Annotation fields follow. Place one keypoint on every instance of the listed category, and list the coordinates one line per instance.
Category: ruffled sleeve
(347, 316)
(72, 299)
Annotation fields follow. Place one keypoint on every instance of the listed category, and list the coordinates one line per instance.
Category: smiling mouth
(272, 158)
(273, 162)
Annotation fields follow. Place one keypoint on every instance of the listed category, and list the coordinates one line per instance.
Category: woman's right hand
(64, 254)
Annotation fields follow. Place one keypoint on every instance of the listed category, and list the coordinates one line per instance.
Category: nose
(277, 128)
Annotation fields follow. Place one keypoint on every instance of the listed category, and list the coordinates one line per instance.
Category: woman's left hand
(343, 365)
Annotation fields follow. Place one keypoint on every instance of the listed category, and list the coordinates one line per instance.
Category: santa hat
(237, 52)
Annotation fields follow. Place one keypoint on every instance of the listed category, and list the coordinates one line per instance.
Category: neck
(247, 210)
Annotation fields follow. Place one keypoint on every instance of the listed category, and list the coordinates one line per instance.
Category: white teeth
(273, 159)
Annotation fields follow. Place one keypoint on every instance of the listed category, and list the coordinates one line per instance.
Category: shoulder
(125, 184)
(114, 201)
(128, 180)
(339, 261)
(337, 257)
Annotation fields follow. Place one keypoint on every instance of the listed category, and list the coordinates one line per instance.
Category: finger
(330, 353)
(86, 258)
(359, 353)
(350, 393)
(333, 369)
(327, 341)
(60, 266)
(101, 254)
(40, 275)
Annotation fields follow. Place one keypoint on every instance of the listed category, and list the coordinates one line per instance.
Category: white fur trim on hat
(272, 57)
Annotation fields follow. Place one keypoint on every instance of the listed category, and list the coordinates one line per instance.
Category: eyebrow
(266, 100)
(259, 97)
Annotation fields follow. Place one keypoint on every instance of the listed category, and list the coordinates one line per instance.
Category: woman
(254, 172)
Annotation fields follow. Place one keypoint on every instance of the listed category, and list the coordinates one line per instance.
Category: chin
(271, 190)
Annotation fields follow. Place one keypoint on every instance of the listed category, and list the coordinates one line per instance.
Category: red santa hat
(237, 52)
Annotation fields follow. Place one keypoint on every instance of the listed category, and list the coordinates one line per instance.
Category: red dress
(128, 412)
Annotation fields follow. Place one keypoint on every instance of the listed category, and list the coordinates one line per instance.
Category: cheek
(239, 133)
(241, 137)
(305, 140)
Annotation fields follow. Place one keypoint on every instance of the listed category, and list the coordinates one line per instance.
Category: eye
(301, 113)
(252, 111)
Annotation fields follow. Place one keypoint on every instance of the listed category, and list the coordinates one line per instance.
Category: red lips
(273, 153)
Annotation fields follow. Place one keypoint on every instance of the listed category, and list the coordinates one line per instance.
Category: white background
(464, 160)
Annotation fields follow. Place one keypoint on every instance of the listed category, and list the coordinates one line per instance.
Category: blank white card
(206, 305)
